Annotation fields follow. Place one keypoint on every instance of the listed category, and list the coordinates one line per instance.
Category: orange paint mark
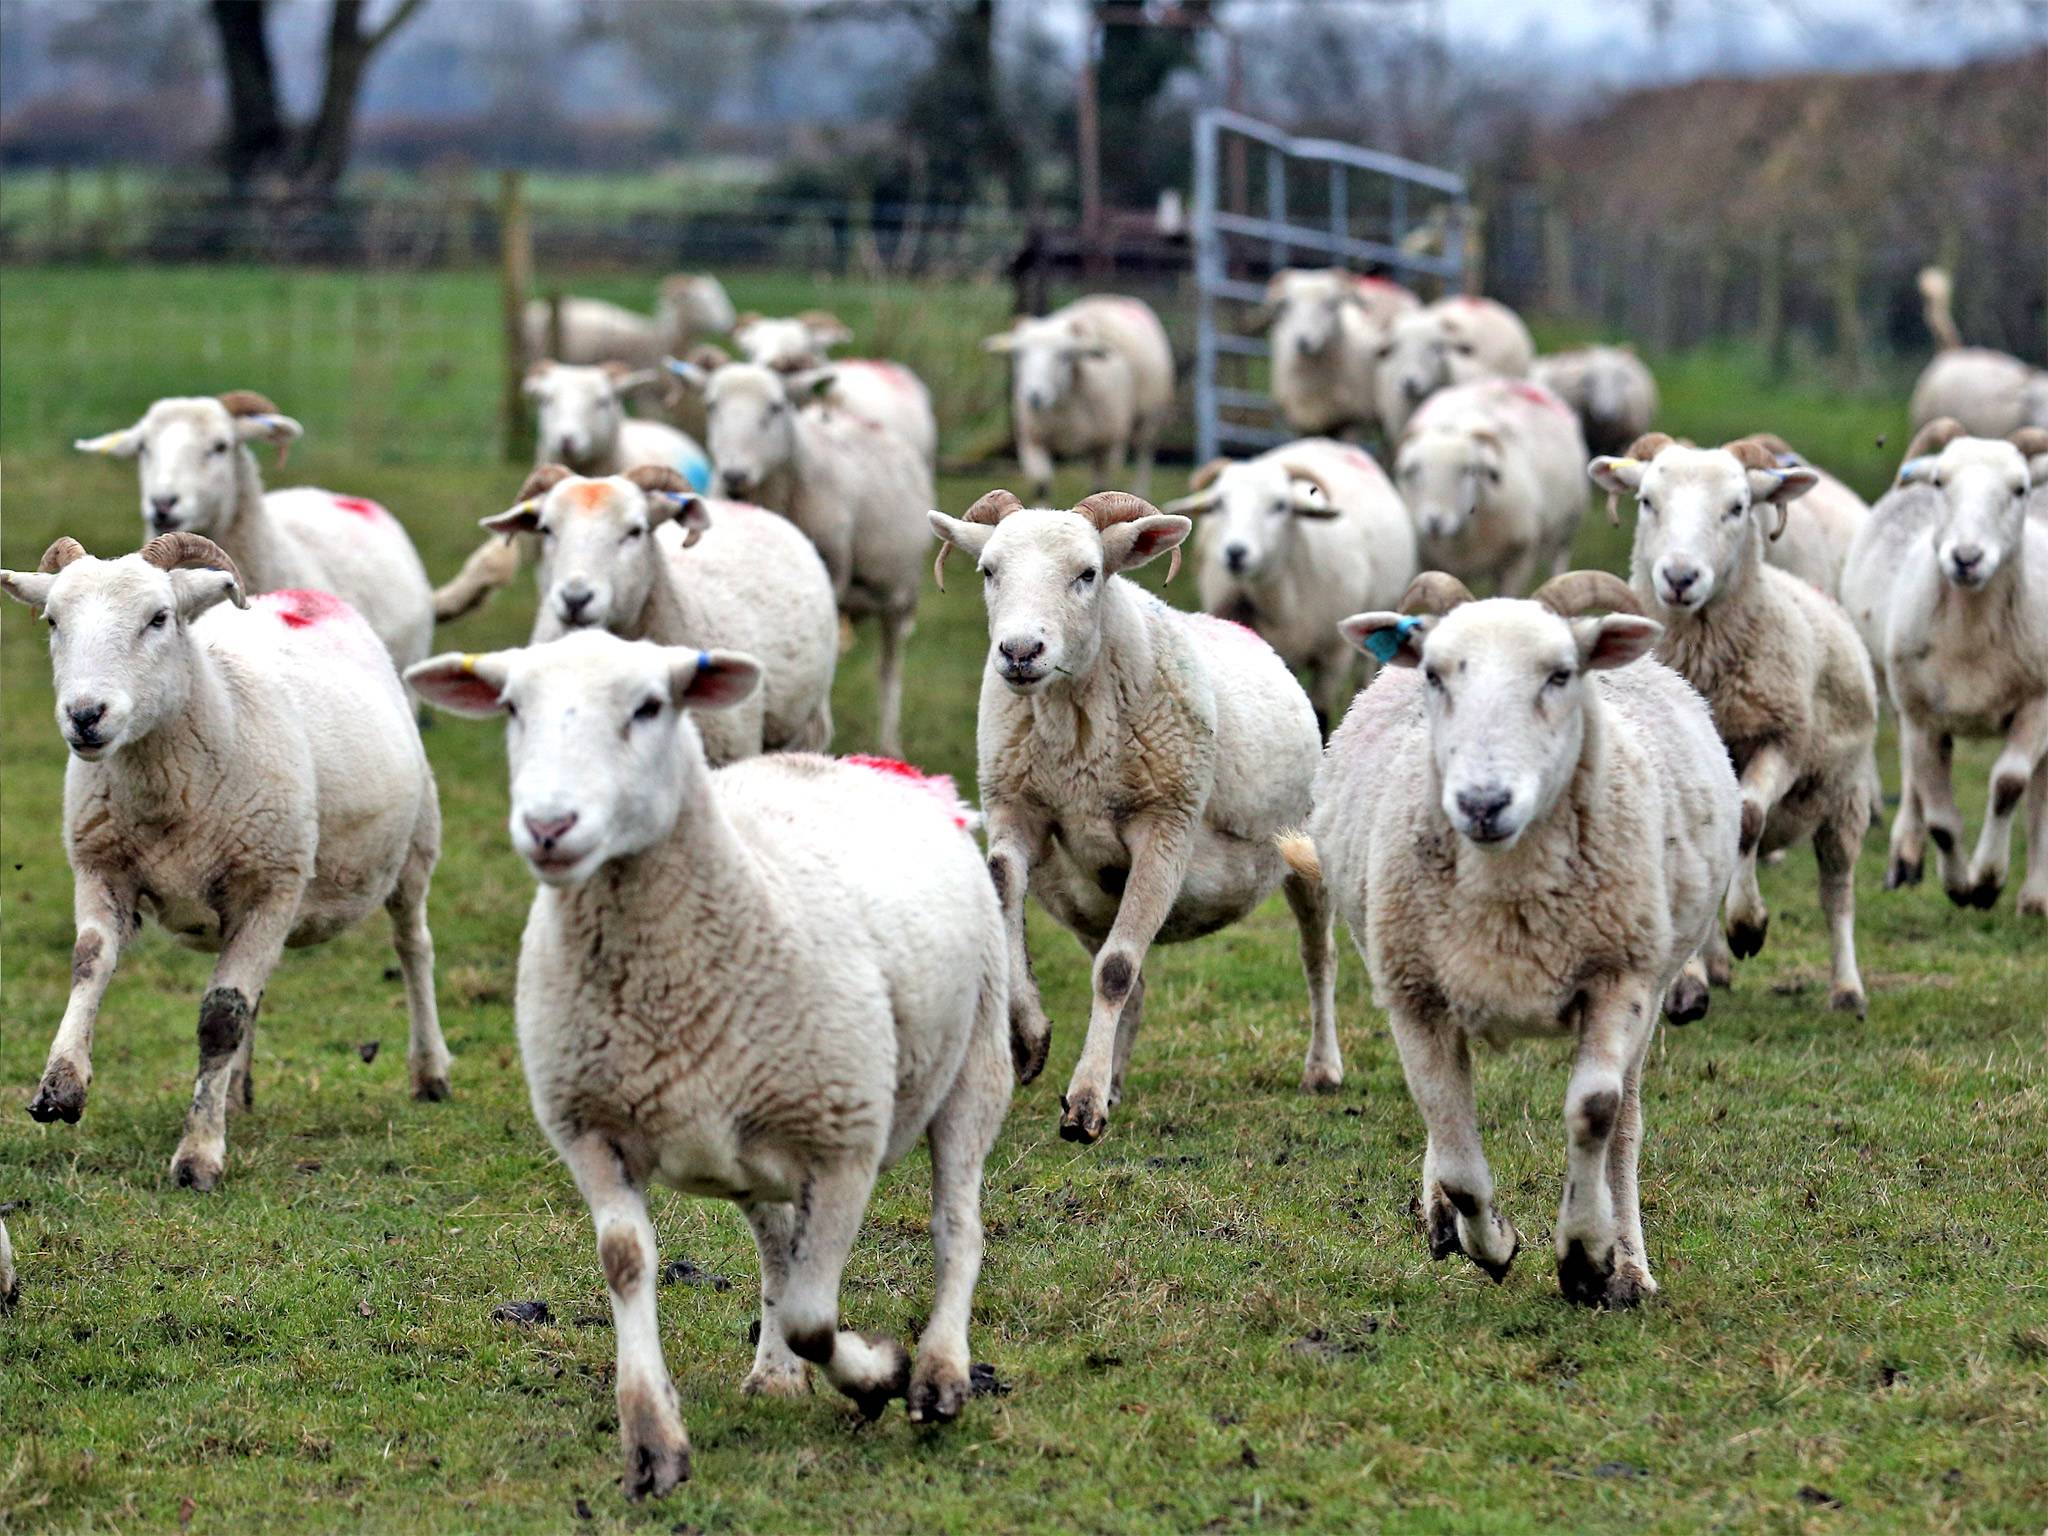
(590, 497)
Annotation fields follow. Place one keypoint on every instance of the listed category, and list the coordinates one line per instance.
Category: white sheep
(1611, 388)
(762, 985)
(1324, 327)
(248, 779)
(1136, 763)
(10, 1284)
(1452, 341)
(689, 307)
(874, 389)
(857, 491)
(1777, 659)
(198, 475)
(1493, 475)
(1295, 540)
(1529, 827)
(1950, 588)
(643, 556)
(1820, 527)
(1093, 380)
(1991, 393)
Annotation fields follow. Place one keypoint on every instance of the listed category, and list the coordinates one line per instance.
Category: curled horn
(182, 551)
(1205, 477)
(1575, 592)
(991, 509)
(246, 402)
(1303, 472)
(659, 478)
(544, 478)
(1644, 448)
(1935, 436)
(59, 555)
(2032, 442)
(1753, 452)
(1105, 509)
(1436, 592)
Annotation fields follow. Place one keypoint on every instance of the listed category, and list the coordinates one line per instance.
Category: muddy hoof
(938, 1397)
(654, 1469)
(1746, 940)
(1627, 1288)
(2033, 904)
(1686, 1002)
(1849, 1000)
(1083, 1120)
(1321, 1079)
(1443, 1232)
(60, 1096)
(893, 1382)
(1498, 1273)
(192, 1173)
(1028, 1053)
(430, 1090)
(760, 1383)
(11, 1297)
(1983, 895)
(1583, 1282)
(1901, 873)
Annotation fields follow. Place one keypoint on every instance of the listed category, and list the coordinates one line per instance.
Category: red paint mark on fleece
(1236, 630)
(361, 506)
(299, 608)
(1536, 394)
(938, 785)
(894, 374)
(1365, 280)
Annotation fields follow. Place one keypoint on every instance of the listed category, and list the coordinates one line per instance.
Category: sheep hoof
(1583, 1281)
(1498, 1273)
(431, 1087)
(1849, 1000)
(1083, 1120)
(937, 1394)
(1687, 1001)
(1028, 1051)
(1746, 939)
(2033, 904)
(1903, 872)
(892, 1382)
(1629, 1287)
(655, 1468)
(1321, 1079)
(11, 1297)
(197, 1173)
(1443, 1231)
(60, 1096)
(760, 1383)
(1983, 895)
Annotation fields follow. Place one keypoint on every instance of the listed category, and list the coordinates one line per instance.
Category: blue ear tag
(1383, 643)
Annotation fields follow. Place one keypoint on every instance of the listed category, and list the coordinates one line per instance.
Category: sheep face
(1505, 691)
(1309, 312)
(1043, 575)
(1700, 518)
(187, 459)
(1253, 513)
(1983, 486)
(751, 416)
(598, 552)
(781, 344)
(579, 412)
(1444, 473)
(1045, 360)
(1414, 360)
(693, 304)
(117, 643)
(601, 757)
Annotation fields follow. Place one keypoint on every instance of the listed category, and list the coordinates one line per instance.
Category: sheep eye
(1736, 509)
(1649, 507)
(160, 618)
(988, 574)
(1558, 678)
(1434, 680)
(634, 533)
(1086, 578)
(1462, 348)
(648, 710)
(221, 446)
(545, 531)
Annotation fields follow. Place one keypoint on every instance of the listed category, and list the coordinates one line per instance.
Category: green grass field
(1222, 1317)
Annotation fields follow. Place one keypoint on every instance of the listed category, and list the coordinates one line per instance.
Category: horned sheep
(199, 476)
(1529, 826)
(1453, 341)
(1136, 764)
(1093, 380)
(1324, 327)
(1790, 685)
(688, 308)
(1295, 540)
(874, 389)
(760, 985)
(249, 780)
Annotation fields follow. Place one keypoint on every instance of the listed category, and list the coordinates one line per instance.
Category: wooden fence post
(515, 259)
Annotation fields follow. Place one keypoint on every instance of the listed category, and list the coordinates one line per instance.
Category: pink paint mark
(1536, 394)
(893, 374)
(360, 506)
(938, 785)
(299, 608)
(1364, 280)
(1470, 300)
(1232, 628)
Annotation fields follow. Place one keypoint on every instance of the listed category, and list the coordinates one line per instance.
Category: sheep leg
(1016, 841)
(1519, 575)
(102, 913)
(1719, 962)
(961, 1134)
(2026, 744)
(491, 565)
(1036, 465)
(1686, 1001)
(1309, 900)
(1624, 1153)
(895, 634)
(1457, 1186)
(2034, 894)
(1144, 449)
(1835, 845)
(1935, 791)
(650, 1424)
(1593, 1268)
(1127, 1025)
(1160, 852)
(426, 1052)
(1765, 778)
(1908, 850)
(226, 1014)
(1109, 468)
(777, 1371)
(870, 1368)
(241, 1072)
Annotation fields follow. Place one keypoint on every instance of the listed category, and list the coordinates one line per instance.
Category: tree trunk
(256, 131)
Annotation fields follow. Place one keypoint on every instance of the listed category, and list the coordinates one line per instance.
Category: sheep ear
(269, 427)
(461, 683)
(1616, 476)
(124, 444)
(31, 587)
(688, 509)
(1918, 471)
(1614, 641)
(535, 384)
(1781, 485)
(826, 328)
(817, 383)
(1002, 341)
(693, 375)
(640, 378)
(969, 538)
(524, 518)
(1391, 639)
(1126, 546)
(199, 589)
(712, 679)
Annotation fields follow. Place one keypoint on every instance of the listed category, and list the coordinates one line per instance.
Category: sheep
(1136, 763)
(249, 780)
(762, 985)
(199, 476)
(1323, 329)
(1094, 379)
(1492, 473)
(1820, 528)
(1452, 341)
(689, 307)
(858, 492)
(10, 1285)
(1292, 542)
(1610, 388)
(1529, 826)
(643, 556)
(885, 393)
(1949, 586)
(1779, 662)
(1991, 393)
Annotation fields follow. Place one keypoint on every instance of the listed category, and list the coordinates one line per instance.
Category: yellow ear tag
(469, 663)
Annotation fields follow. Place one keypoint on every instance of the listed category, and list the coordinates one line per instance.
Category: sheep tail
(1299, 850)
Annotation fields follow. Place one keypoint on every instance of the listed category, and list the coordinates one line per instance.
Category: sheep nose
(1038, 401)
(85, 718)
(1967, 555)
(1017, 652)
(1414, 389)
(734, 480)
(1480, 806)
(161, 510)
(548, 832)
(1236, 556)
(1679, 579)
(574, 600)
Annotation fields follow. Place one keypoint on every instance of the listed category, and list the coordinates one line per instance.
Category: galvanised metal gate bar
(1329, 244)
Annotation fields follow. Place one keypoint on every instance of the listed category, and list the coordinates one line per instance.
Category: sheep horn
(1205, 477)
(544, 478)
(991, 509)
(246, 402)
(59, 555)
(1935, 436)
(1105, 509)
(1575, 592)
(1649, 445)
(1303, 472)
(184, 551)
(659, 477)
(1436, 592)
(1752, 452)
(2032, 442)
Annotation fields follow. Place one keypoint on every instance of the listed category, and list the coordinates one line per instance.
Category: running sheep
(874, 389)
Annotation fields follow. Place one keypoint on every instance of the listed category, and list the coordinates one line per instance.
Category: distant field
(1222, 1318)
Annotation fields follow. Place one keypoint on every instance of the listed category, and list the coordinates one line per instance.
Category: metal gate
(1385, 196)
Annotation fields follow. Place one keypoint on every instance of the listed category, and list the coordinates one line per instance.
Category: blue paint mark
(1384, 643)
